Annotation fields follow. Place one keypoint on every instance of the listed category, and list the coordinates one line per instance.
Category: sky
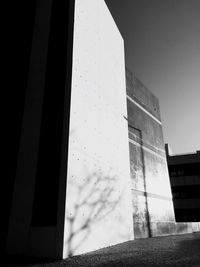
(162, 48)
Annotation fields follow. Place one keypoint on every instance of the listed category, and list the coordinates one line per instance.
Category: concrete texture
(170, 251)
(73, 199)
(98, 200)
(138, 91)
(153, 213)
(153, 209)
(77, 187)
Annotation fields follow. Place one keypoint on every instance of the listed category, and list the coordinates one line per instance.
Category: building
(151, 192)
(69, 180)
(88, 164)
(184, 172)
(153, 209)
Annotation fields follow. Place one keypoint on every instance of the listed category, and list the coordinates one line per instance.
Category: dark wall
(48, 170)
(21, 34)
(38, 118)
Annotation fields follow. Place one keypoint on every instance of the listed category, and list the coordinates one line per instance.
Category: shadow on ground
(173, 251)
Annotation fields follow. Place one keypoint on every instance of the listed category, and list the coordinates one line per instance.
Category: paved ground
(173, 251)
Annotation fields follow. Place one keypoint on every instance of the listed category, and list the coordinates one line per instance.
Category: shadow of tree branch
(96, 198)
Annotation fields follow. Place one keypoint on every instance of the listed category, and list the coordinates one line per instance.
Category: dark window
(184, 169)
(187, 215)
(186, 191)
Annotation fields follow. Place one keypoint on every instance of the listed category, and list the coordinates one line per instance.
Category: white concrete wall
(98, 200)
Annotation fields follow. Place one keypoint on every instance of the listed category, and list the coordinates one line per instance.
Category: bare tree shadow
(96, 197)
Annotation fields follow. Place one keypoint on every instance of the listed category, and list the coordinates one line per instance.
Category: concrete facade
(91, 168)
(98, 201)
(151, 192)
(184, 172)
(71, 192)
(153, 208)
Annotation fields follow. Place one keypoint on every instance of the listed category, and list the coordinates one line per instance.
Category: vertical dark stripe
(20, 37)
(48, 171)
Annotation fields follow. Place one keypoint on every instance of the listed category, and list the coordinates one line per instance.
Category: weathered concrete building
(71, 188)
(153, 210)
(90, 166)
(152, 200)
(184, 172)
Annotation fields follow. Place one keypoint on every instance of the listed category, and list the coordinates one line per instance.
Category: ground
(171, 251)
